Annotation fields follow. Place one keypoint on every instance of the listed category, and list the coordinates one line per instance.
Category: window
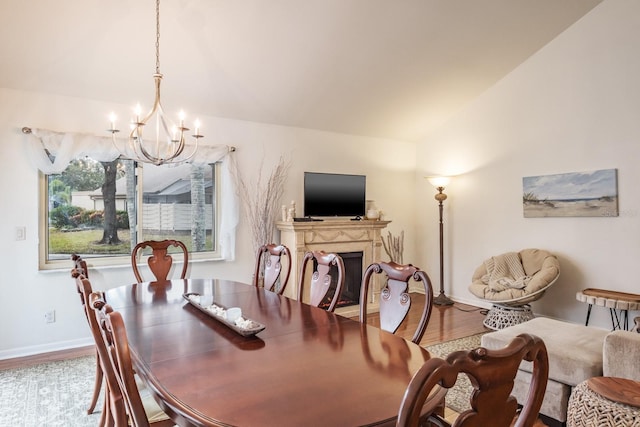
(92, 209)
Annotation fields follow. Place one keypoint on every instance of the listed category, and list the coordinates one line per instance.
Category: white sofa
(576, 352)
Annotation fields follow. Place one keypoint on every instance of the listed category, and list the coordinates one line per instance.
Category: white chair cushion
(151, 408)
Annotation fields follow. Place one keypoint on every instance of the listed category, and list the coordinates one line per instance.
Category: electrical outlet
(50, 316)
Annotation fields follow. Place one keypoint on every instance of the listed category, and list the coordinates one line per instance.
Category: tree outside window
(92, 207)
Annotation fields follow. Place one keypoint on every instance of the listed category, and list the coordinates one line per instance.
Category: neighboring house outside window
(93, 209)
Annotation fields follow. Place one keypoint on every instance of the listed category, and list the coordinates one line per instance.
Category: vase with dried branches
(394, 246)
(261, 200)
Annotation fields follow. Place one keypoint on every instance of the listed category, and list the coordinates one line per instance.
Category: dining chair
(83, 287)
(395, 300)
(328, 270)
(159, 261)
(113, 410)
(492, 374)
(130, 403)
(79, 265)
(269, 267)
(511, 281)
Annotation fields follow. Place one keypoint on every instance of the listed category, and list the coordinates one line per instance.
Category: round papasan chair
(511, 281)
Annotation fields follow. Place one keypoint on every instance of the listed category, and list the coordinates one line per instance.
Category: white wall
(26, 293)
(573, 106)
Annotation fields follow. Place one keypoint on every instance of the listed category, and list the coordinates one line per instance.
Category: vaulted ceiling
(382, 68)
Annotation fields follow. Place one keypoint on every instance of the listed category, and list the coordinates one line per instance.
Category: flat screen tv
(330, 194)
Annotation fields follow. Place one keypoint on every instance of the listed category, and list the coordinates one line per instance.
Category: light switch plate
(21, 233)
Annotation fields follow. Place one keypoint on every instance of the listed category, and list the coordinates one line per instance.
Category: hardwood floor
(21, 362)
(447, 322)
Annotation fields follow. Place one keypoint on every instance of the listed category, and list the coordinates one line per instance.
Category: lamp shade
(439, 181)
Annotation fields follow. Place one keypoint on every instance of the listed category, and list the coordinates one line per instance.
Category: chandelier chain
(157, 36)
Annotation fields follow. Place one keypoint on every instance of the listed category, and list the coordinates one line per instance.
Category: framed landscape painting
(571, 194)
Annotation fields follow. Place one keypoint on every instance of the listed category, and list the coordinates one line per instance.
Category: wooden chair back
(79, 266)
(83, 287)
(115, 412)
(269, 262)
(492, 374)
(322, 278)
(118, 358)
(395, 300)
(159, 261)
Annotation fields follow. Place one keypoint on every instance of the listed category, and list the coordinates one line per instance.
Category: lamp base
(442, 299)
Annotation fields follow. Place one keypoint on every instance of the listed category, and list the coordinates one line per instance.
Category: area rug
(458, 396)
(49, 394)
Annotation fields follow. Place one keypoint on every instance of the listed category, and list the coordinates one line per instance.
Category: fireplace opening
(352, 280)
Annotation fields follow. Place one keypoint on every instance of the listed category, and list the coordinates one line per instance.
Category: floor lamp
(440, 182)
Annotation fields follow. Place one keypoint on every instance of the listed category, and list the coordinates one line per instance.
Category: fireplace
(352, 280)
(341, 236)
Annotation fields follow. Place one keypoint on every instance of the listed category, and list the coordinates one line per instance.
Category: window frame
(119, 260)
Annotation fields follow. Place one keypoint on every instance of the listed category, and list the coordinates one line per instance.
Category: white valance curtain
(53, 151)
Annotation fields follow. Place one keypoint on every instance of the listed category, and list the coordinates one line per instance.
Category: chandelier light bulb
(196, 125)
(137, 110)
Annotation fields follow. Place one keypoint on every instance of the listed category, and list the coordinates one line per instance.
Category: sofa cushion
(621, 355)
(575, 351)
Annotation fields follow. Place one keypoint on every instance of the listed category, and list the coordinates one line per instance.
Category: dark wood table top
(308, 367)
(619, 390)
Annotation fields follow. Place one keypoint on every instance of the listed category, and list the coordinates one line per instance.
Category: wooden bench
(613, 300)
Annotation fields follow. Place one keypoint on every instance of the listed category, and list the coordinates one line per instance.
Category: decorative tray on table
(231, 317)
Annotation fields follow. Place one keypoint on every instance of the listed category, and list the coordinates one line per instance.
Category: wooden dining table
(307, 367)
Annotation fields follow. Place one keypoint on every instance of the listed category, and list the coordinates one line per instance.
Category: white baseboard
(44, 348)
(474, 302)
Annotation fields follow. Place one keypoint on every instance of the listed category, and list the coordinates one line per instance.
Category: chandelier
(168, 144)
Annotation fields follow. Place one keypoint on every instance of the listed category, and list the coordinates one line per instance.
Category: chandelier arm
(180, 148)
(148, 156)
(195, 148)
(156, 102)
(136, 137)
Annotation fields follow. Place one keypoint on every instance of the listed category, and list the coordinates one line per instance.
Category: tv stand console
(331, 235)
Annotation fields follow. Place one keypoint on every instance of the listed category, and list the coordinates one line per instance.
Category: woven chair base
(588, 409)
(501, 316)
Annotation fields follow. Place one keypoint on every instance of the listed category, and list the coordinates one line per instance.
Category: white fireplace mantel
(331, 235)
